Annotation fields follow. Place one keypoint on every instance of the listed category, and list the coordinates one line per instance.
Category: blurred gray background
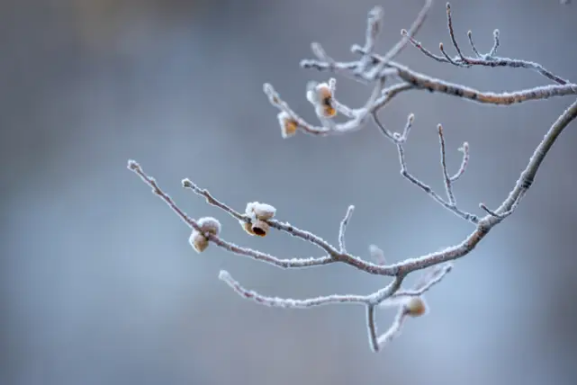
(98, 284)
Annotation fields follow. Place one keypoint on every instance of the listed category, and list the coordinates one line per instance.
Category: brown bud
(198, 241)
(288, 125)
(415, 307)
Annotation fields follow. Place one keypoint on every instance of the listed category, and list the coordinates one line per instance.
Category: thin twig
(372, 299)
(446, 177)
(472, 44)
(343, 228)
(417, 24)
(464, 162)
(488, 60)
(187, 183)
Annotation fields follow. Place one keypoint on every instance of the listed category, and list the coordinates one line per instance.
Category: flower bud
(198, 241)
(288, 126)
(415, 307)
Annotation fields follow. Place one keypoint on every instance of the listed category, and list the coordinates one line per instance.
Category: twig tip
(224, 275)
(133, 165)
(377, 12)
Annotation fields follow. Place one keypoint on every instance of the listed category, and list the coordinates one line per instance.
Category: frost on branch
(376, 71)
(257, 214)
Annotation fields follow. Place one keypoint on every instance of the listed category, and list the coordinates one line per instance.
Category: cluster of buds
(258, 213)
(198, 239)
(320, 95)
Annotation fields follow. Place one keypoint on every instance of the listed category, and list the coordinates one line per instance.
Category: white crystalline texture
(262, 211)
(209, 225)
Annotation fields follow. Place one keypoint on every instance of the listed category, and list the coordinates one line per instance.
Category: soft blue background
(98, 284)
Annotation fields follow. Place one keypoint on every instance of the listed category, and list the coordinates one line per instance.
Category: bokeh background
(98, 284)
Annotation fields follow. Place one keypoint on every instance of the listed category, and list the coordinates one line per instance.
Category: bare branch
(420, 19)
(187, 183)
(424, 82)
(399, 140)
(135, 167)
(486, 60)
(375, 69)
(343, 228)
(427, 282)
(369, 300)
(464, 162)
(472, 44)
(496, 43)
(446, 177)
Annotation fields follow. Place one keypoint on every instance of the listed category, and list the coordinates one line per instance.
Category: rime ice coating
(197, 239)
(209, 225)
(258, 213)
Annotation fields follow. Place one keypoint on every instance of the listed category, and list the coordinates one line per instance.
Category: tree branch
(376, 70)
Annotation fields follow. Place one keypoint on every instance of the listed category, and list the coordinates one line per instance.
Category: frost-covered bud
(209, 225)
(263, 211)
(198, 241)
(258, 213)
(257, 210)
(415, 307)
(260, 228)
(288, 126)
(320, 95)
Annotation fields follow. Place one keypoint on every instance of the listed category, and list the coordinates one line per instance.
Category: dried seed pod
(260, 228)
(247, 226)
(209, 225)
(198, 241)
(321, 96)
(416, 307)
(288, 126)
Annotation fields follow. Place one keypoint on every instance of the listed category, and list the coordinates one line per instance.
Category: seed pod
(247, 226)
(260, 228)
(209, 225)
(321, 96)
(198, 241)
(415, 307)
(288, 126)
